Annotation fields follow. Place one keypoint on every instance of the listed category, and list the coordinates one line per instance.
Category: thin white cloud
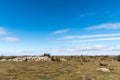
(87, 14)
(97, 39)
(2, 30)
(9, 39)
(74, 50)
(60, 31)
(19, 52)
(105, 26)
(86, 50)
(89, 36)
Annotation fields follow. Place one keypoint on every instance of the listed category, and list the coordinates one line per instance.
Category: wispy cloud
(86, 50)
(97, 39)
(105, 26)
(60, 31)
(89, 48)
(87, 14)
(89, 36)
(2, 30)
(19, 52)
(9, 39)
(74, 50)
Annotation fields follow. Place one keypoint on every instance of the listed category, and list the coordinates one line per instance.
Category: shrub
(47, 54)
(55, 58)
(1, 57)
(103, 64)
(118, 58)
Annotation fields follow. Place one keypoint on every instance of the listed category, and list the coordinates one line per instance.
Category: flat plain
(62, 68)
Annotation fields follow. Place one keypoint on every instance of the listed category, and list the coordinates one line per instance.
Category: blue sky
(60, 27)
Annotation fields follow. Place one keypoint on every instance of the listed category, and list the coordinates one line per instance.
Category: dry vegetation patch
(71, 68)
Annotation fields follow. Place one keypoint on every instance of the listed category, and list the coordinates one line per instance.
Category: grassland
(75, 68)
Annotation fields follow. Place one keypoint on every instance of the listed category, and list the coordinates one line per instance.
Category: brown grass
(75, 68)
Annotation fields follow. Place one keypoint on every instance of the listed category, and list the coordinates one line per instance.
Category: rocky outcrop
(37, 58)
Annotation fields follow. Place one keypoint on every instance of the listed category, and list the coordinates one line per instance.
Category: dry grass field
(74, 68)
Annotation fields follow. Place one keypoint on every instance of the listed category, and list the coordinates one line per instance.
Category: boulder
(3, 60)
(103, 70)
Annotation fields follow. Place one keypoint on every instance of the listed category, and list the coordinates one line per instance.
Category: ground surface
(72, 69)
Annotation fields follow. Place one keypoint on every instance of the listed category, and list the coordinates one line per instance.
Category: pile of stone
(105, 70)
(36, 58)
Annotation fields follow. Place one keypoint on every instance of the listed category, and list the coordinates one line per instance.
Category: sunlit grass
(75, 68)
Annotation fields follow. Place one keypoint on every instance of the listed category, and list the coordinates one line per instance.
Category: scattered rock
(62, 59)
(3, 60)
(103, 70)
(36, 58)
